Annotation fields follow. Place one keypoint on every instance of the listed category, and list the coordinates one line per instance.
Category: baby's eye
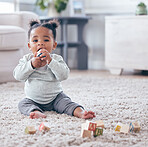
(35, 40)
(46, 40)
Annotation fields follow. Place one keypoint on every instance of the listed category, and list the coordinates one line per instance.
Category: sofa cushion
(12, 37)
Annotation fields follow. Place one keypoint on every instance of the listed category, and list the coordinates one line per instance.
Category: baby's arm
(58, 67)
(23, 70)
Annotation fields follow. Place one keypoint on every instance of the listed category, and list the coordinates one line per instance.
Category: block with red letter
(91, 126)
(44, 127)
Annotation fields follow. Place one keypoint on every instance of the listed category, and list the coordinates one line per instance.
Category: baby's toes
(32, 115)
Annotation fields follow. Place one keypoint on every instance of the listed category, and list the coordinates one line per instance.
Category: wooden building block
(91, 126)
(100, 123)
(124, 128)
(134, 127)
(44, 126)
(98, 131)
(30, 130)
(85, 132)
(118, 127)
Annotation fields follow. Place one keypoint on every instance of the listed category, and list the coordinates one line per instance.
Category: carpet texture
(113, 98)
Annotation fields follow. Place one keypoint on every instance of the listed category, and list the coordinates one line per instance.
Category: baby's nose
(39, 44)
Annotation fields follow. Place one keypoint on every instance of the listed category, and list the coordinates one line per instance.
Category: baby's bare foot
(87, 114)
(37, 114)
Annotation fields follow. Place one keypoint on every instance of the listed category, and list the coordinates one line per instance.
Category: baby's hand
(88, 114)
(44, 55)
(36, 62)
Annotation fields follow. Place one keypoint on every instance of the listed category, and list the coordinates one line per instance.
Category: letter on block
(118, 127)
(100, 123)
(30, 130)
(134, 127)
(98, 131)
(91, 126)
(44, 126)
(124, 128)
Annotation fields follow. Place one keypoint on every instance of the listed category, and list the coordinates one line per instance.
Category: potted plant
(56, 6)
(141, 9)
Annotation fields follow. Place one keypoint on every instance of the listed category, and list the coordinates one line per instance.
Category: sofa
(13, 41)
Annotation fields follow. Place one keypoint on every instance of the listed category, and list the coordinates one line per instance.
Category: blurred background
(94, 31)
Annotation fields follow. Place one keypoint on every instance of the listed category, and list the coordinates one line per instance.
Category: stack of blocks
(90, 128)
(123, 128)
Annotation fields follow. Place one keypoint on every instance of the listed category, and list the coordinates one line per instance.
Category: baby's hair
(51, 25)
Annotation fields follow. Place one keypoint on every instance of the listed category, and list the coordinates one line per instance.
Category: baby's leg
(30, 108)
(63, 104)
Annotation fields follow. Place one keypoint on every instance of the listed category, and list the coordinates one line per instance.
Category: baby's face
(41, 38)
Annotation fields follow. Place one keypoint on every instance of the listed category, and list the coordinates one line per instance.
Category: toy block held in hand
(85, 132)
(30, 130)
(91, 126)
(124, 128)
(39, 54)
(134, 127)
(98, 131)
(100, 123)
(44, 126)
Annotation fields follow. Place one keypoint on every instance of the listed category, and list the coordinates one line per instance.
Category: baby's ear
(55, 45)
(29, 46)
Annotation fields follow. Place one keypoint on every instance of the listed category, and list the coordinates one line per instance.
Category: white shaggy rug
(113, 98)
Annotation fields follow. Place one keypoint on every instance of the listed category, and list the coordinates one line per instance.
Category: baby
(42, 73)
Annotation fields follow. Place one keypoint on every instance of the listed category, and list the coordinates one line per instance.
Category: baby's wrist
(32, 65)
(48, 61)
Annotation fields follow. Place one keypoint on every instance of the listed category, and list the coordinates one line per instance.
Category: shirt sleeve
(23, 70)
(59, 68)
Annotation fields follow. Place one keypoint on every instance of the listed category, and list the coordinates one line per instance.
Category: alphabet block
(84, 132)
(100, 123)
(30, 130)
(44, 127)
(118, 127)
(98, 131)
(91, 126)
(124, 128)
(134, 127)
